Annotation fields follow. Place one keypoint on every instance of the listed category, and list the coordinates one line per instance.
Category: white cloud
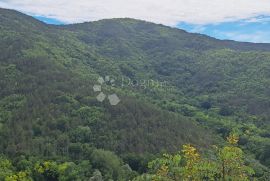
(256, 37)
(198, 29)
(168, 12)
(258, 20)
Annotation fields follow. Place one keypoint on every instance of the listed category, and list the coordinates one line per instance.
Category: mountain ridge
(227, 42)
(48, 105)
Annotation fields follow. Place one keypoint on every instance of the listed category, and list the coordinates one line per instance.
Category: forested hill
(49, 110)
(137, 30)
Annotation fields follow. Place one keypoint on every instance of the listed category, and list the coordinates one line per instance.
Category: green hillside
(175, 88)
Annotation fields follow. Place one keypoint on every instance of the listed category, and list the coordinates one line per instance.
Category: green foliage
(20, 176)
(96, 176)
(110, 166)
(49, 111)
(228, 165)
(6, 168)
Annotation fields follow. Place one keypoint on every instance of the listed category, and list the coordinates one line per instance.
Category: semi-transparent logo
(109, 83)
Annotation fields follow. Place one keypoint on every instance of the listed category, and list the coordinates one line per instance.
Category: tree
(229, 165)
(231, 160)
(97, 176)
(6, 168)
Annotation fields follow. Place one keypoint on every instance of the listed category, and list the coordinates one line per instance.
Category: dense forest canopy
(196, 90)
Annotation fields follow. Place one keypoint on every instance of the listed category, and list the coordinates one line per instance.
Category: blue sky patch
(251, 30)
(49, 20)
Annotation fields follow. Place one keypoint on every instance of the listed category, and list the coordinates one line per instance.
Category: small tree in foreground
(188, 165)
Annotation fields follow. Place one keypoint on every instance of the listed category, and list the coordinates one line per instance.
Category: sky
(240, 20)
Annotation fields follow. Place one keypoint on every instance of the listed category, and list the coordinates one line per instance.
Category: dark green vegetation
(49, 111)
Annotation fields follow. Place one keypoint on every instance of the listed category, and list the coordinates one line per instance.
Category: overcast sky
(243, 20)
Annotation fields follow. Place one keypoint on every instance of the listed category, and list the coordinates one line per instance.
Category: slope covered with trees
(50, 118)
